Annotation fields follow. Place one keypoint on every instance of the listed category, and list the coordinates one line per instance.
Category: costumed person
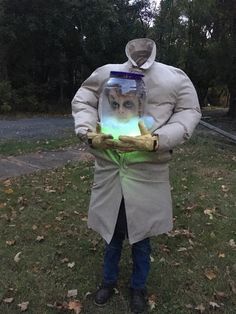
(131, 195)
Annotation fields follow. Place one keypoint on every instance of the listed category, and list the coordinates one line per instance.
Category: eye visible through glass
(115, 105)
(128, 105)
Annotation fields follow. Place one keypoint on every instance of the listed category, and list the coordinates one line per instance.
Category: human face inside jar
(124, 106)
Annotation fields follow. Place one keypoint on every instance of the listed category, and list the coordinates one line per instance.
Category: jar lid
(127, 75)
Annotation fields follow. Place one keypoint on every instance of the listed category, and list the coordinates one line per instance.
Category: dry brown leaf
(200, 308)
(40, 238)
(152, 301)
(152, 259)
(87, 294)
(214, 305)
(224, 188)
(219, 295)
(72, 293)
(210, 274)
(2, 205)
(65, 260)
(8, 300)
(212, 235)
(189, 306)
(17, 257)
(182, 249)
(8, 191)
(180, 232)
(221, 255)
(7, 183)
(59, 218)
(76, 306)
(71, 265)
(10, 242)
(34, 227)
(210, 212)
(232, 244)
(23, 306)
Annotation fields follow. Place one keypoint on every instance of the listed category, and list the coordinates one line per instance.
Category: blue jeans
(140, 254)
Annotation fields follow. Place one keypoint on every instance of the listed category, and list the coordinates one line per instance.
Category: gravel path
(35, 128)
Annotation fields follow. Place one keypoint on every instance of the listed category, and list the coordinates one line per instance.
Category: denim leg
(113, 249)
(141, 263)
(111, 260)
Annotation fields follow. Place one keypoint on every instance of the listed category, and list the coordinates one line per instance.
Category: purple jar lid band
(127, 75)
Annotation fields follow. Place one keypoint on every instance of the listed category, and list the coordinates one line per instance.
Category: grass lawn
(47, 250)
(17, 147)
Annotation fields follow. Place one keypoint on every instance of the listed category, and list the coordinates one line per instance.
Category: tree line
(47, 47)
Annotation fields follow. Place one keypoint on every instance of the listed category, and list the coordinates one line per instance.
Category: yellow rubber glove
(144, 142)
(100, 140)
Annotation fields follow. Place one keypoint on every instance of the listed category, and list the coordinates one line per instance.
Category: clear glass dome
(121, 104)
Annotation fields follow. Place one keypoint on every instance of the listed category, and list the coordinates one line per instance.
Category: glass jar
(121, 104)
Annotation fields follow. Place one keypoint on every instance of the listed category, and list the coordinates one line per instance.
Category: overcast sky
(157, 1)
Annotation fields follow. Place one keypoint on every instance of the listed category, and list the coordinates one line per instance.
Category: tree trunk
(232, 103)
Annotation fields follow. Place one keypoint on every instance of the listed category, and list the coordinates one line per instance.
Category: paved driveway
(35, 128)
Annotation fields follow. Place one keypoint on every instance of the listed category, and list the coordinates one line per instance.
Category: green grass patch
(14, 147)
(43, 216)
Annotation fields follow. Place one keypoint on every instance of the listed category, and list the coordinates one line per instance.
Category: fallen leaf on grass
(72, 293)
(75, 306)
(188, 306)
(212, 235)
(65, 260)
(10, 242)
(34, 227)
(17, 257)
(59, 218)
(8, 191)
(210, 212)
(23, 306)
(7, 183)
(219, 295)
(214, 305)
(2, 205)
(152, 301)
(232, 244)
(180, 232)
(210, 274)
(8, 300)
(71, 265)
(221, 255)
(182, 249)
(40, 238)
(152, 259)
(224, 188)
(200, 308)
(87, 294)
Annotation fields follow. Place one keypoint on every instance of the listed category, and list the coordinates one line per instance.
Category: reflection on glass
(122, 103)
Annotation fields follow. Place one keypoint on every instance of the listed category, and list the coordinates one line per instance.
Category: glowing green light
(116, 128)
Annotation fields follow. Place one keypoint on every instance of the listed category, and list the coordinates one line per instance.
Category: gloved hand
(100, 140)
(144, 142)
